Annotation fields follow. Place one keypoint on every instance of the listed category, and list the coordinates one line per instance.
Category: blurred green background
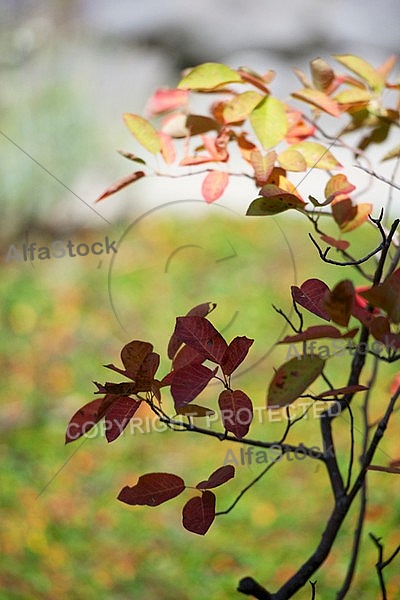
(62, 532)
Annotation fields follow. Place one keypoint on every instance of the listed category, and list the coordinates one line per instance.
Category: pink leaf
(235, 354)
(214, 185)
(189, 382)
(201, 335)
(164, 100)
(311, 295)
(152, 489)
(199, 513)
(119, 415)
(167, 147)
(236, 412)
(220, 476)
(201, 310)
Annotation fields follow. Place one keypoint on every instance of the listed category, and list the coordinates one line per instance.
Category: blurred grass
(75, 540)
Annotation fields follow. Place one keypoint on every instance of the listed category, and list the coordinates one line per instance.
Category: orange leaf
(262, 165)
(339, 244)
(363, 211)
(214, 185)
(167, 147)
(338, 184)
(319, 100)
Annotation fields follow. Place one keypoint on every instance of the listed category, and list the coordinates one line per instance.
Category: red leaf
(152, 489)
(214, 185)
(201, 335)
(201, 310)
(340, 302)
(189, 382)
(236, 412)
(121, 183)
(119, 415)
(186, 356)
(220, 476)
(145, 377)
(199, 513)
(235, 354)
(310, 295)
(386, 296)
(133, 355)
(339, 244)
(337, 185)
(86, 417)
(318, 331)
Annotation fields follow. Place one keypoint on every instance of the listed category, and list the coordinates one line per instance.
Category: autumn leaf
(120, 184)
(316, 332)
(338, 244)
(386, 296)
(133, 355)
(235, 354)
(338, 185)
(201, 335)
(273, 200)
(199, 513)
(339, 302)
(363, 69)
(152, 489)
(166, 99)
(214, 185)
(200, 310)
(236, 412)
(119, 415)
(293, 378)
(240, 107)
(87, 416)
(322, 74)
(316, 155)
(209, 76)
(217, 478)
(269, 122)
(189, 382)
(319, 100)
(144, 132)
(292, 160)
(262, 165)
(311, 296)
(194, 410)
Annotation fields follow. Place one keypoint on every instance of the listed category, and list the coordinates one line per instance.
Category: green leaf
(274, 200)
(316, 155)
(363, 69)
(209, 76)
(293, 378)
(292, 160)
(240, 107)
(269, 122)
(144, 132)
(353, 96)
(319, 100)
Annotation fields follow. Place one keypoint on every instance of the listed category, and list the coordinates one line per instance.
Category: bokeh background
(68, 72)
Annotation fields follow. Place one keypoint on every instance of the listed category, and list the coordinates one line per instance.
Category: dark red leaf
(133, 355)
(318, 331)
(187, 383)
(87, 417)
(311, 295)
(119, 415)
(235, 354)
(201, 335)
(236, 412)
(201, 310)
(145, 377)
(152, 489)
(199, 513)
(186, 356)
(350, 389)
(220, 476)
(121, 183)
(340, 302)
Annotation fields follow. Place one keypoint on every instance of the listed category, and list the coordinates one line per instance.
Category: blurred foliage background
(69, 69)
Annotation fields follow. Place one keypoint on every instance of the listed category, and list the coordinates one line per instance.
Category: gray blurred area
(69, 69)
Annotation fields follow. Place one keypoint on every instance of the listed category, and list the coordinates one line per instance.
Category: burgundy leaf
(201, 310)
(186, 356)
(167, 379)
(187, 383)
(349, 389)
(310, 295)
(86, 417)
(145, 377)
(199, 513)
(316, 332)
(201, 335)
(235, 354)
(220, 476)
(119, 415)
(152, 489)
(236, 411)
(133, 355)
